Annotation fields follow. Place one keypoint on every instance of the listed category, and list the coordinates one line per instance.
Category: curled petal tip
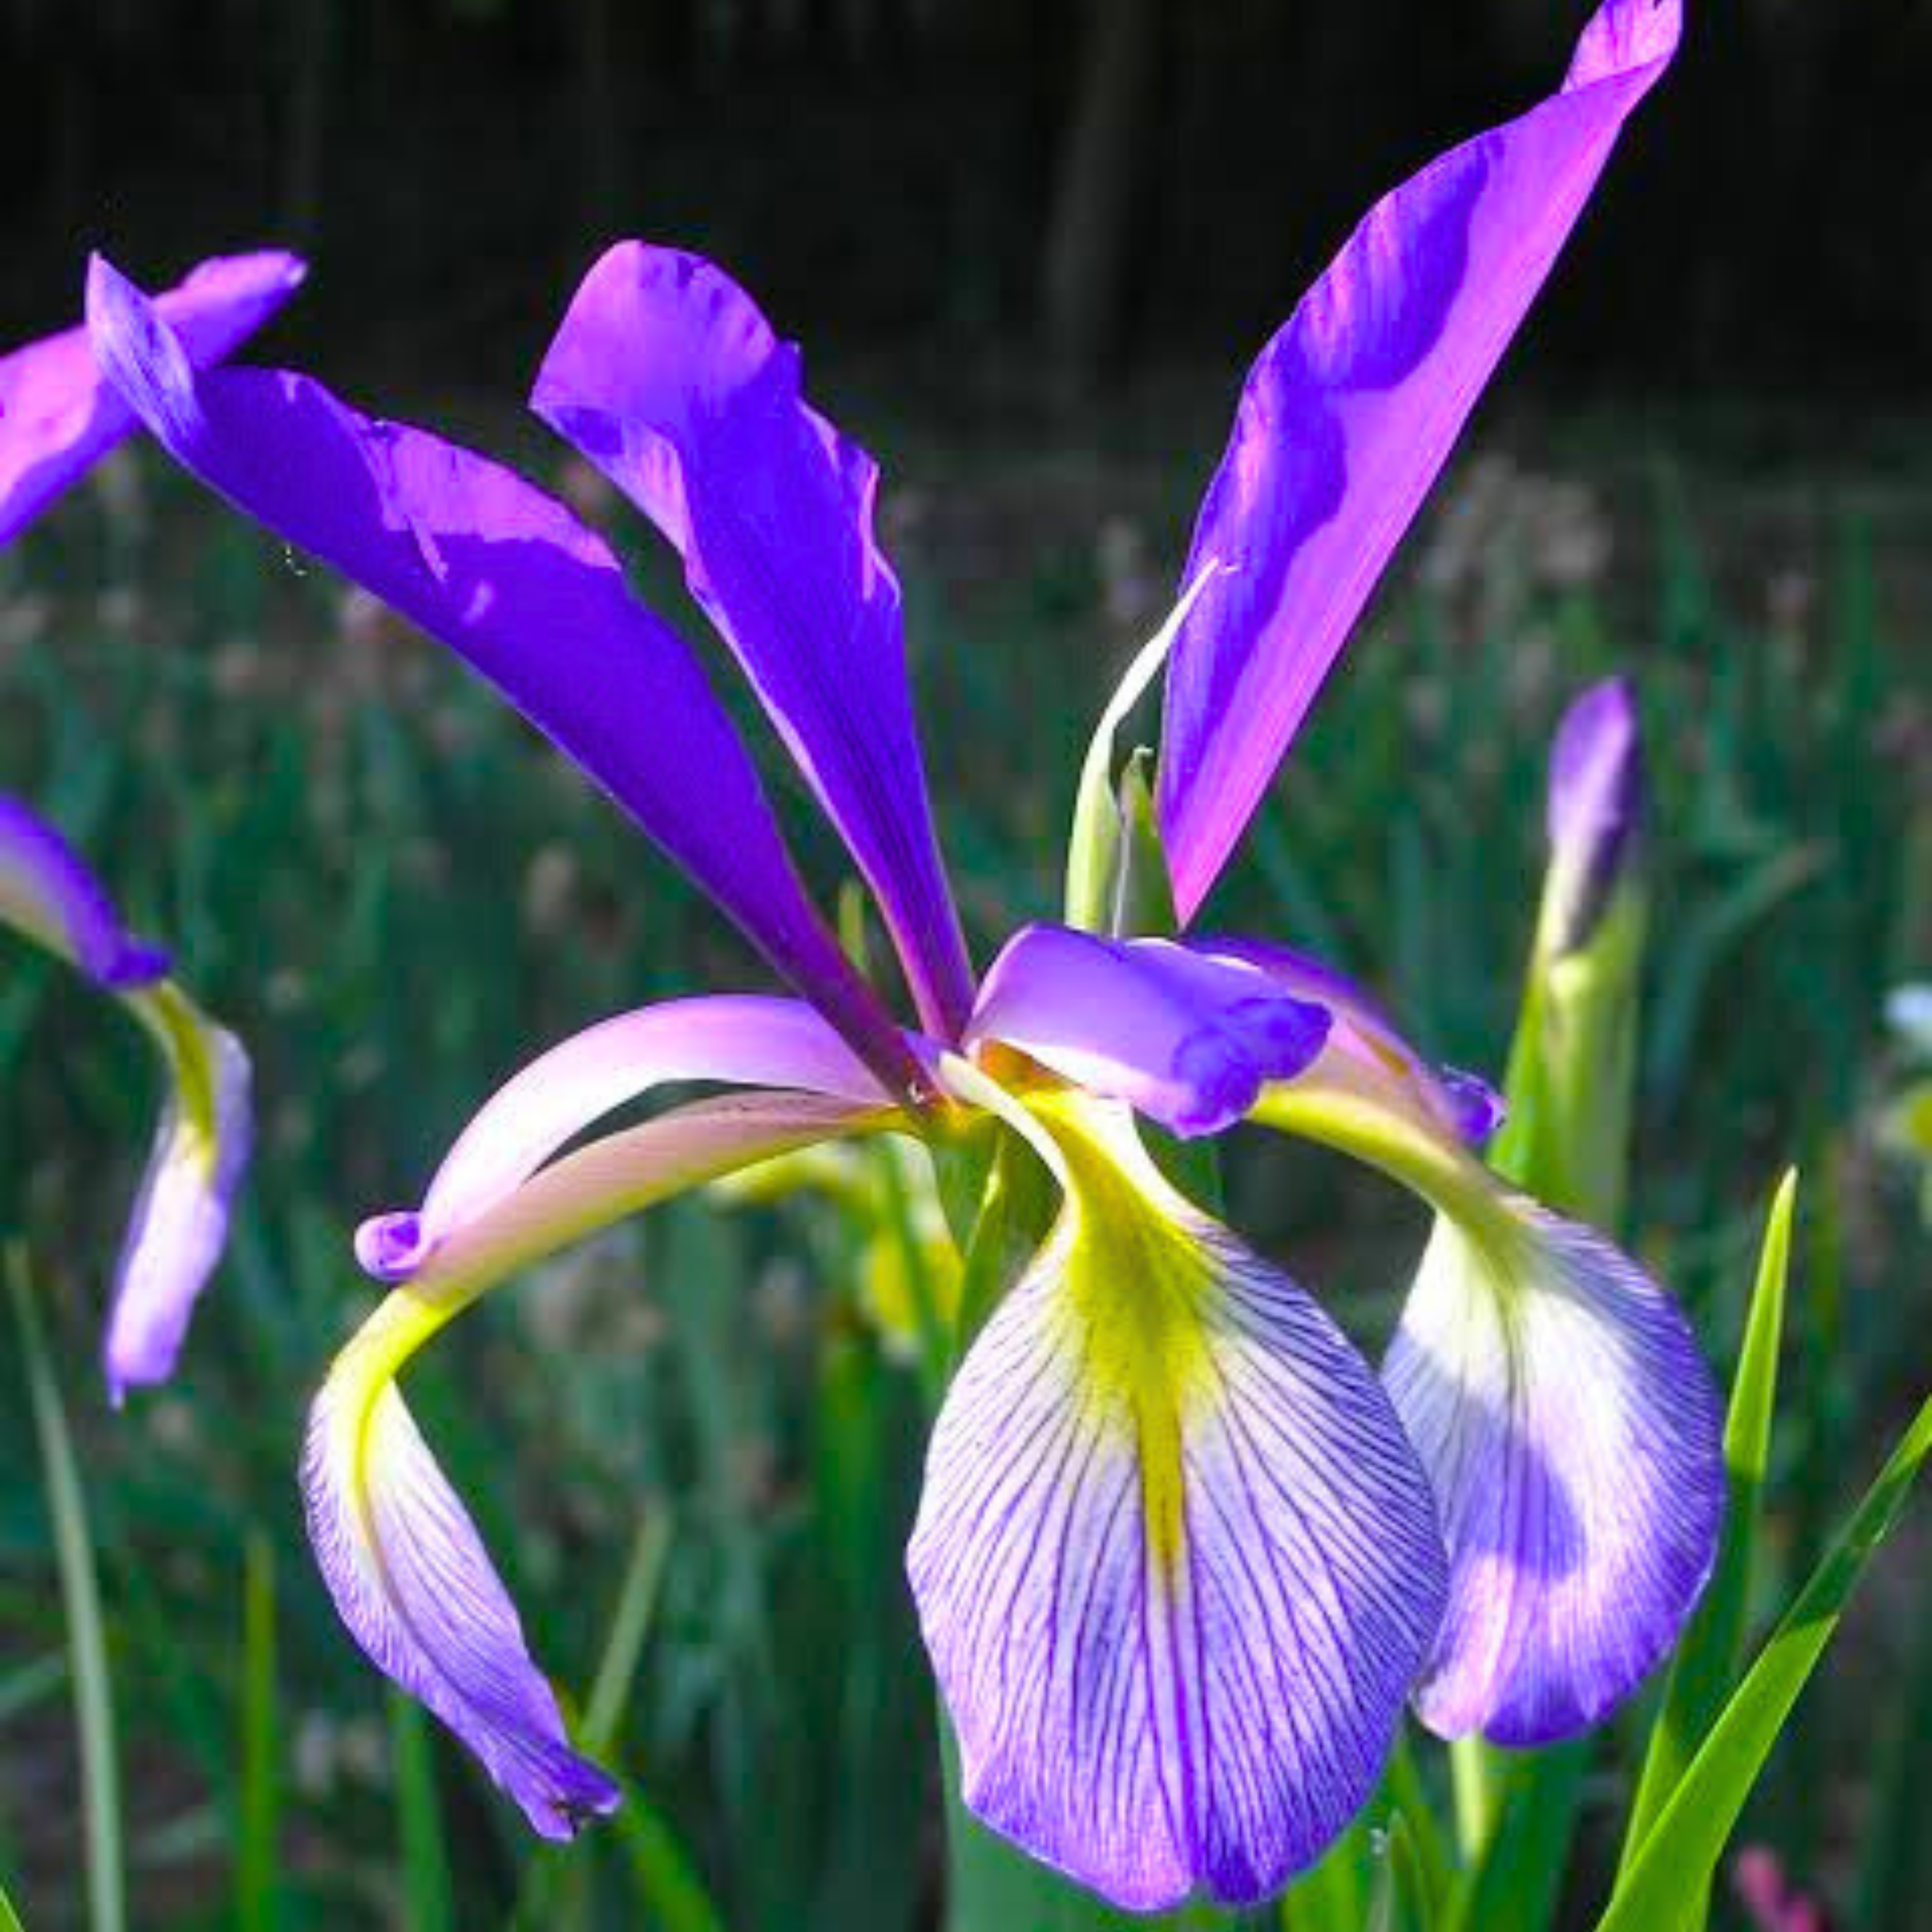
(1478, 1110)
(390, 1247)
(139, 962)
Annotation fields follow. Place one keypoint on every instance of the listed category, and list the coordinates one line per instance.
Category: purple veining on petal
(1350, 412)
(666, 376)
(1167, 1723)
(1596, 808)
(1570, 1430)
(1188, 1040)
(411, 1580)
(57, 414)
(47, 892)
(530, 598)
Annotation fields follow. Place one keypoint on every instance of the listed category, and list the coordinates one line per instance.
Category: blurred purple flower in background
(59, 415)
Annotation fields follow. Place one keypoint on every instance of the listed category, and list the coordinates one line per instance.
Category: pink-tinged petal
(524, 594)
(666, 376)
(47, 892)
(1349, 413)
(1188, 1040)
(59, 415)
(740, 1039)
(1362, 1032)
(1175, 1563)
(1570, 1430)
(179, 1226)
(1596, 811)
(408, 1573)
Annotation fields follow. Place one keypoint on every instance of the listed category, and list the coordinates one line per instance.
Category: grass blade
(1400, 1901)
(257, 1862)
(1675, 1864)
(1705, 1664)
(552, 1891)
(9, 1919)
(80, 1596)
(631, 1624)
(429, 1900)
(669, 1891)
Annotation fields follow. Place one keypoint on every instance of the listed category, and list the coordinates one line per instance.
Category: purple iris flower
(1179, 1564)
(59, 415)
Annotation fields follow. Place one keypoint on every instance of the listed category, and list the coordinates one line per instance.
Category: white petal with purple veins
(1175, 1563)
(179, 1226)
(1571, 1429)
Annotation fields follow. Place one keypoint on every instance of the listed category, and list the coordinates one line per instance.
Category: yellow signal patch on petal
(1140, 1296)
(1176, 1565)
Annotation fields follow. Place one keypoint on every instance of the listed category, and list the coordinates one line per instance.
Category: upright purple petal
(1570, 1427)
(518, 588)
(665, 375)
(1188, 1040)
(1175, 1562)
(740, 1039)
(1349, 413)
(1596, 802)
(59, 415)
(47, 892)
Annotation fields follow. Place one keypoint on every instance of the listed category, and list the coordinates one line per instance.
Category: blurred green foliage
(686, 1445)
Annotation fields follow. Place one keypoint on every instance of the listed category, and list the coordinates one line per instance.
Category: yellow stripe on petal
(1176, 1564)
(180, 1220)
(407, 1568)
(1557, 1399)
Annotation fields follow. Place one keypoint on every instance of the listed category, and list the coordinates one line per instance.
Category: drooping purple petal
(47, 892)
(741, 1039)
(179, 1226)
(57, 414)
(1349, 413)
(411, 1580)
(408, 1573)
(1557, 1401)
(1597, 803)
(1362, 1030)
(1175, 1563)
(518, 588)
(201, 1144)
(666, 376)
(1189, 1039)
(1571, 1431)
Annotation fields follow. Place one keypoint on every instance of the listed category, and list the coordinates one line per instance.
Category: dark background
(1039, 196)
